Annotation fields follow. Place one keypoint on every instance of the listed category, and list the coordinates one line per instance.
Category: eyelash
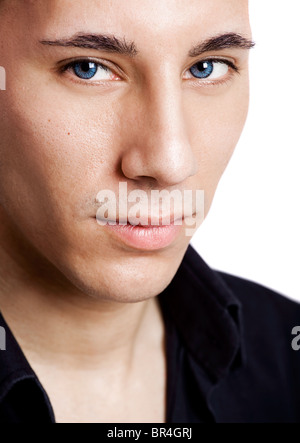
(203, 82)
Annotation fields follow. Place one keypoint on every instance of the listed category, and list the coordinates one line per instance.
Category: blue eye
(202, 69)
(90, 70)
(85, 70)
(211, 69)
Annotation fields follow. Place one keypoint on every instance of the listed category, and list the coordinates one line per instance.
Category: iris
(85, 70)
(202, 69)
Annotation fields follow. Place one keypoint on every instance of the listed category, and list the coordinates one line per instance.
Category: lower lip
(149, 238)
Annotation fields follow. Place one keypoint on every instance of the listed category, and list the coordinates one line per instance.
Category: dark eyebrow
(109, 43)
(223, 41)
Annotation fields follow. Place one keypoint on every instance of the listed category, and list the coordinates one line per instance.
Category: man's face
(77, 118)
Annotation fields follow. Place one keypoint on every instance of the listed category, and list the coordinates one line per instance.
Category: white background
(253, 228)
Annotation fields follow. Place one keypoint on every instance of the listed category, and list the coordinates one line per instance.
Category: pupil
(203, 66)
(85, 67)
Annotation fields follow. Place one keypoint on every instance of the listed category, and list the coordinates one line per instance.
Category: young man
(113, 322)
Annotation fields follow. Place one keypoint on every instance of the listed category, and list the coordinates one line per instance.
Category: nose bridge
(161, 146)
(165, 114)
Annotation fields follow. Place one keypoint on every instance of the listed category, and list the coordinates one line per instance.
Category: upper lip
(147, 220)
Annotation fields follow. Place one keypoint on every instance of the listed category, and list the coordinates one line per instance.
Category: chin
(124, 279)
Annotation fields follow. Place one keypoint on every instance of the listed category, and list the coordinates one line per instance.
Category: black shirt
(229, 354)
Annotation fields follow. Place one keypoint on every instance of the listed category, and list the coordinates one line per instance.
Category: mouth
(146, 237)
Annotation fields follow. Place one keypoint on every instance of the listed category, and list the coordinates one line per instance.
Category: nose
(158, 147)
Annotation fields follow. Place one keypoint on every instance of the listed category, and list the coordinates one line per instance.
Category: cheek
(55, 156)
(215, 134)
(54, 149)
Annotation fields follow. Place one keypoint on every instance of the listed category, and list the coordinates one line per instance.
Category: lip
(147, 238)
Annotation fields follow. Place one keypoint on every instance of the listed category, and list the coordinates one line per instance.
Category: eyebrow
(113, 44)
(223, 41)
(108, 43)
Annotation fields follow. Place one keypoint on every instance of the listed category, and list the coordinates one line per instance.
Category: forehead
(148, 19)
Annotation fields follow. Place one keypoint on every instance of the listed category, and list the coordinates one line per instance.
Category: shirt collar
(206, 314)
(13, 365)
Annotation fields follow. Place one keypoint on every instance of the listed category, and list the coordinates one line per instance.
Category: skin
(68, 287)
